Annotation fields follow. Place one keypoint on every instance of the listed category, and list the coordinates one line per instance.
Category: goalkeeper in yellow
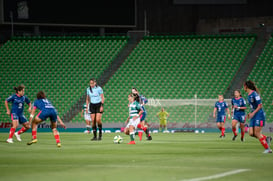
(163, 115)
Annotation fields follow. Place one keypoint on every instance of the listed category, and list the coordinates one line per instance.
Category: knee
(126, 131)
(252, 135)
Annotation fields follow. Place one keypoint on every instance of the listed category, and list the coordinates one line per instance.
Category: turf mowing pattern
(168, 157)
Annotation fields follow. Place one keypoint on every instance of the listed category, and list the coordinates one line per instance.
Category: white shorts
(87, 117)
(133, 123)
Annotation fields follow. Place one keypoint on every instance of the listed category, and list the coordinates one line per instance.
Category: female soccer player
(220, 107)
(87, 117)
(163, 115)
(238, 111)
(47, 110)
(142, 100)
(95, 100)
(17, 112)
(135, 111)
(257, 115)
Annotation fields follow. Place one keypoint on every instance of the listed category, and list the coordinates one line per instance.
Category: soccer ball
(118, 139)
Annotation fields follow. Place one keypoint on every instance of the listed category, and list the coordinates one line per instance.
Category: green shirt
(134, 109)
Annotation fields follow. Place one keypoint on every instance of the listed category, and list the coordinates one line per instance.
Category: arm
(7, 107)
(236, 107)
(29, 107)
(32, 112)
(82, 112)
(87, 102)
(228, 113)
(102, 102)
(126, 122)
(214, 112)
(61, 122)
(250, 115)
(139, 114)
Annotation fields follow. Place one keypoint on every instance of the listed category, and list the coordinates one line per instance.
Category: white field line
(218, 175)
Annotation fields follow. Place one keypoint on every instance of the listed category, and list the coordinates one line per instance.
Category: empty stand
(177, 67)
(61, 66)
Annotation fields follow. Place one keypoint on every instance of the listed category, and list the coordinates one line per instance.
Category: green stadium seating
(261, 75)
(61, 66)
(177, 67)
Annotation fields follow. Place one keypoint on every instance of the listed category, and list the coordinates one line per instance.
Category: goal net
(184, 113)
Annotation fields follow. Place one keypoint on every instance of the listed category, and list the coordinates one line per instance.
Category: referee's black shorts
(95, 108)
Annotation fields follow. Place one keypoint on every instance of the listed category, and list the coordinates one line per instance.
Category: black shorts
(95, 108)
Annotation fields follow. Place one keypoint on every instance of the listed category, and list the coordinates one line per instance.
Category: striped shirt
(134, 109)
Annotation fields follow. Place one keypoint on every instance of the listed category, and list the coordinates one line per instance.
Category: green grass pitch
(168, 157)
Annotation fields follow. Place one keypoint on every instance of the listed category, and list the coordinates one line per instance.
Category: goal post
(192, 113)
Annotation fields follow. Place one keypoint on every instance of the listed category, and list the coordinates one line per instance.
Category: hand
(126, 122)
(250, 115)
(229, 116)
(8, 111)
(101, 109)
(235, 106)
(63, 125)
(214, 116)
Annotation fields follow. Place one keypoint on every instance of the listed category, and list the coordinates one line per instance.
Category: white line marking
(218, 175)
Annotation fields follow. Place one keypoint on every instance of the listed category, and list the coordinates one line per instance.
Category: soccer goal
(184, 113)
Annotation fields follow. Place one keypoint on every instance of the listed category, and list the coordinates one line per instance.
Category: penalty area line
(218, 175)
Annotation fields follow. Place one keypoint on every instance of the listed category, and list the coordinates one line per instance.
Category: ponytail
(19, 88)
(249, 84)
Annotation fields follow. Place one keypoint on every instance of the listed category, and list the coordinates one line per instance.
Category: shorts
(257, 120)
(22, 119)
(95, 108)
(163, 122)
(133, 123)
(87, 116)
(221, 119)
(49, 113)
(239, 118)
(143, 116)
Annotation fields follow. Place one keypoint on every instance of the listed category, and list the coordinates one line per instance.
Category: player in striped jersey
(135, 111)
(221, 107)
(257, 115)
(142, 100)
(87, 117)
(238, 114)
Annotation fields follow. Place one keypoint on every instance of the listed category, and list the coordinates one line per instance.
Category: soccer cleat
(140, 135)
(18, 137)
(32, 141)
(9, 140)
(131, 143)
(100, 138)
(149, 138)
(234, 137)
(94, 139)
(222, 136)
(242, 139)
(267, 151)
(59, 145)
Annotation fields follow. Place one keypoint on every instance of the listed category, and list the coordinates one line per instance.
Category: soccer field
(178, 156)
